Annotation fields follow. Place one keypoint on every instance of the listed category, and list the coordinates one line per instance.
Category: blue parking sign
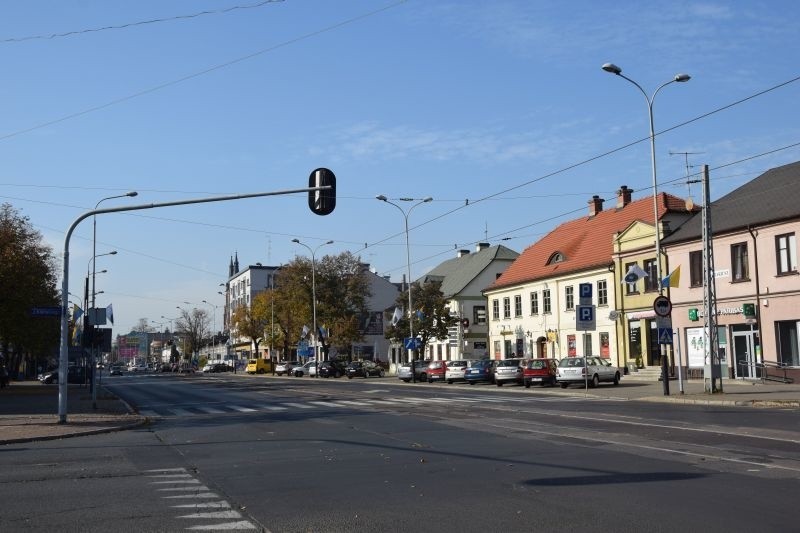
(585, 293)
(585, 318)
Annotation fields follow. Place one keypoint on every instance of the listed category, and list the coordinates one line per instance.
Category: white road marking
(173, 476)
(209, 505)
(274, 408)
(176, 482)
(181, 412)
(212, 410)
(242, 409)
(201, 488)
(198, 495)
(214, 514)
(327, 404)
(230, 526)
(298, 405)
(166, 470)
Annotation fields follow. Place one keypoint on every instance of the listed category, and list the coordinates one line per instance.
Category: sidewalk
(29, 410)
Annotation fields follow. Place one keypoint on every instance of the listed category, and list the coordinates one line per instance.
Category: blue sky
(498, 110)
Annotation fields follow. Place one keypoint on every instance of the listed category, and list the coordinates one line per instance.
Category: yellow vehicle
(258, 366)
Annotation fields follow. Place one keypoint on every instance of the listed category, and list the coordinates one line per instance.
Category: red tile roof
(585, 243)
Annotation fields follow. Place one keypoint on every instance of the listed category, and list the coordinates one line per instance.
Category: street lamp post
(213, 327)
(91, 299)
(94, 257)
(313, 294)
(678, 78)
(383, 198)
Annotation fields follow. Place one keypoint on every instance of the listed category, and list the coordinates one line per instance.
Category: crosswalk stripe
(214, 514)
(242, 409)
(181, 412)
(230, 526)
(327, 404)
(198, 495)
(274, 408)
(298, 405)
(211, 410)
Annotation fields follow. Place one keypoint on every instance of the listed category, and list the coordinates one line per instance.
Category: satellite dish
(613, 315)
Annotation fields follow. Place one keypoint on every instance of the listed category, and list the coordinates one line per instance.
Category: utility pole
(712, 372)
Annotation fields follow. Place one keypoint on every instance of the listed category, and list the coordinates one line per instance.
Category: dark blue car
(482, 370)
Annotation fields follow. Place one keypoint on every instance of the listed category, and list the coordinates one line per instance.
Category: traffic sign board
(411, 343)
(665, 335)
(585, 318)
(585, 293)
(662, 306)
(45, 311)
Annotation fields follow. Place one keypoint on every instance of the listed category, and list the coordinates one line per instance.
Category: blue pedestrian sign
(45, 311)
(664, 335)
(585, 318)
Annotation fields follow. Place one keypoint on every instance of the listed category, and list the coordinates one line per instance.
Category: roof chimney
(481, 246)
(595, 205)
(623, 196)
(462, 253)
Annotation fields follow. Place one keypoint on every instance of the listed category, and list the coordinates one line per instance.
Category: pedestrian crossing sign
(665, 335)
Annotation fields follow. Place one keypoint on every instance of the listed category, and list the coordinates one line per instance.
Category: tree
(342, 293)
(431, 316)
(193, 326)
(28, 277)
(251, 320)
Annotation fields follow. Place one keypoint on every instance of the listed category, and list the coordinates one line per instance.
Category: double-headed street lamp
(678, 78)
(313, 293)
(383, 198)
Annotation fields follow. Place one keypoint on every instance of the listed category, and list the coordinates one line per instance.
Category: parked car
(420, 371)
(331, 369)
(207, 367)
(436, 371)
(404, 372)
(455, 371)
(540, 372)
(258, 366)
(594, 370)
(508, 371)
(480, 370)
(309, 368)
(115, 371)
(363, 369)
(286, 367)
(75, 374)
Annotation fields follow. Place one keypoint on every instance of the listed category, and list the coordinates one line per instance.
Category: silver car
(592, 371)
(508, 370)
(455, 371)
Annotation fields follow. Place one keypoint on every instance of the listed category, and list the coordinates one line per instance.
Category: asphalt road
(289, 454)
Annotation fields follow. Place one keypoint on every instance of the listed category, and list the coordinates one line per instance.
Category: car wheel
(260, 371)
(527, 384)
(595, 381)
(423, 377)
(449, 381)
(616, 379)
(349, 377)
(564, 385)
(471, 382)
(499, 383)
(406, 380)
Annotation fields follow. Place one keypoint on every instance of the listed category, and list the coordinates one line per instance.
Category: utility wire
(138, 23)
(201, 72)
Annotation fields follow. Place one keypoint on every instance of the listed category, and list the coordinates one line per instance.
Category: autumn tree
(28, 276)
(430, 317)
(250, 321)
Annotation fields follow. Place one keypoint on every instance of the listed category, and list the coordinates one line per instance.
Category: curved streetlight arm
(313, 293)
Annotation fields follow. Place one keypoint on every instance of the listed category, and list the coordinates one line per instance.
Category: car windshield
(508, 362)
(457, 363)
(480, 364)
(537, 363)
(571, 362)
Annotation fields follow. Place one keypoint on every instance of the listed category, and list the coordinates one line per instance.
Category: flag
(77, 313)
(305, 332)
(420, 314)
(674, 279)
(110, 314)
(635, 273)
(398, 314)
(77, 334)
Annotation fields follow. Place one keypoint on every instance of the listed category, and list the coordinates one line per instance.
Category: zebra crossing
(354, 404)
(195, 505)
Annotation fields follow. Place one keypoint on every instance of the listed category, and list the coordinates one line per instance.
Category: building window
(786, 251)
(695, 269)
(631, 288)
(496, 309)
(534, 303)
(740, 270)
(518, 305)
(479, 314)
(506, 307)
(651, 280)
(546, 300)
(602, 292)
(569, 297)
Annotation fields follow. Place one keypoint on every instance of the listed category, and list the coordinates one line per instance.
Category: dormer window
(557, 257)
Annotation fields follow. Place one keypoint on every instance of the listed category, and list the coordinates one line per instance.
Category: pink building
(755, 262)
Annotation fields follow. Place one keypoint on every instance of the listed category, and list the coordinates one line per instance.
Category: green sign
(693, 314)
(749, 310)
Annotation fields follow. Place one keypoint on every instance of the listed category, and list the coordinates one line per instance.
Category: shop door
(744, 354)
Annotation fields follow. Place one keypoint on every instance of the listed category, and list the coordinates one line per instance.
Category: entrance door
(744, 353)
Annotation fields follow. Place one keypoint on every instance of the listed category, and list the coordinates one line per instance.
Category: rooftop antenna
(688, 169)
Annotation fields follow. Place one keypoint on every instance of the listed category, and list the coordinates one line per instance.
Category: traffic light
(322, 202)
